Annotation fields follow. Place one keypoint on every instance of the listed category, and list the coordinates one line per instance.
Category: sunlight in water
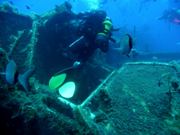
(93, 4)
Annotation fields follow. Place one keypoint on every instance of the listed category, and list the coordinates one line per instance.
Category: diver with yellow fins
(95, 32)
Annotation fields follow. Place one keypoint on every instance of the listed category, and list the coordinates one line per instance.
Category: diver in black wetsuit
(95, 32)
(172, 15)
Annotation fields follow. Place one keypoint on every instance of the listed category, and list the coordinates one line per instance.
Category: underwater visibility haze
(90, 67)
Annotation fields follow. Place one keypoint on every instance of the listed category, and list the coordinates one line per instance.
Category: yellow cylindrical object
(107, 25)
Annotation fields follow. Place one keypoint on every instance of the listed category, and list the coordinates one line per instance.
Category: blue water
(137, 17)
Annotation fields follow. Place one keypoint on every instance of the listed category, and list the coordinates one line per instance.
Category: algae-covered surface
(123, 105)
(139, 99)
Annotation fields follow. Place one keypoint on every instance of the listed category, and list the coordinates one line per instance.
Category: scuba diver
(95, 32)
(172, 15)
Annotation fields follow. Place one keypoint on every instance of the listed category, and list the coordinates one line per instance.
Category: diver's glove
(76, 64)
(102, 42)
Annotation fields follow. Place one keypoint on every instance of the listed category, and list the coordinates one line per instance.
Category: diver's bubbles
(85, 5)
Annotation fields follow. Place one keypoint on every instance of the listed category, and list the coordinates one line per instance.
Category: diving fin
(23, 78)
(11, 70)
(58, 78)
(56, 81)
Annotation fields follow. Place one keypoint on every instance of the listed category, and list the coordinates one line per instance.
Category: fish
(11, 2)
(11, 72)
(23, 78)
(126, 44)
(27, 7)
